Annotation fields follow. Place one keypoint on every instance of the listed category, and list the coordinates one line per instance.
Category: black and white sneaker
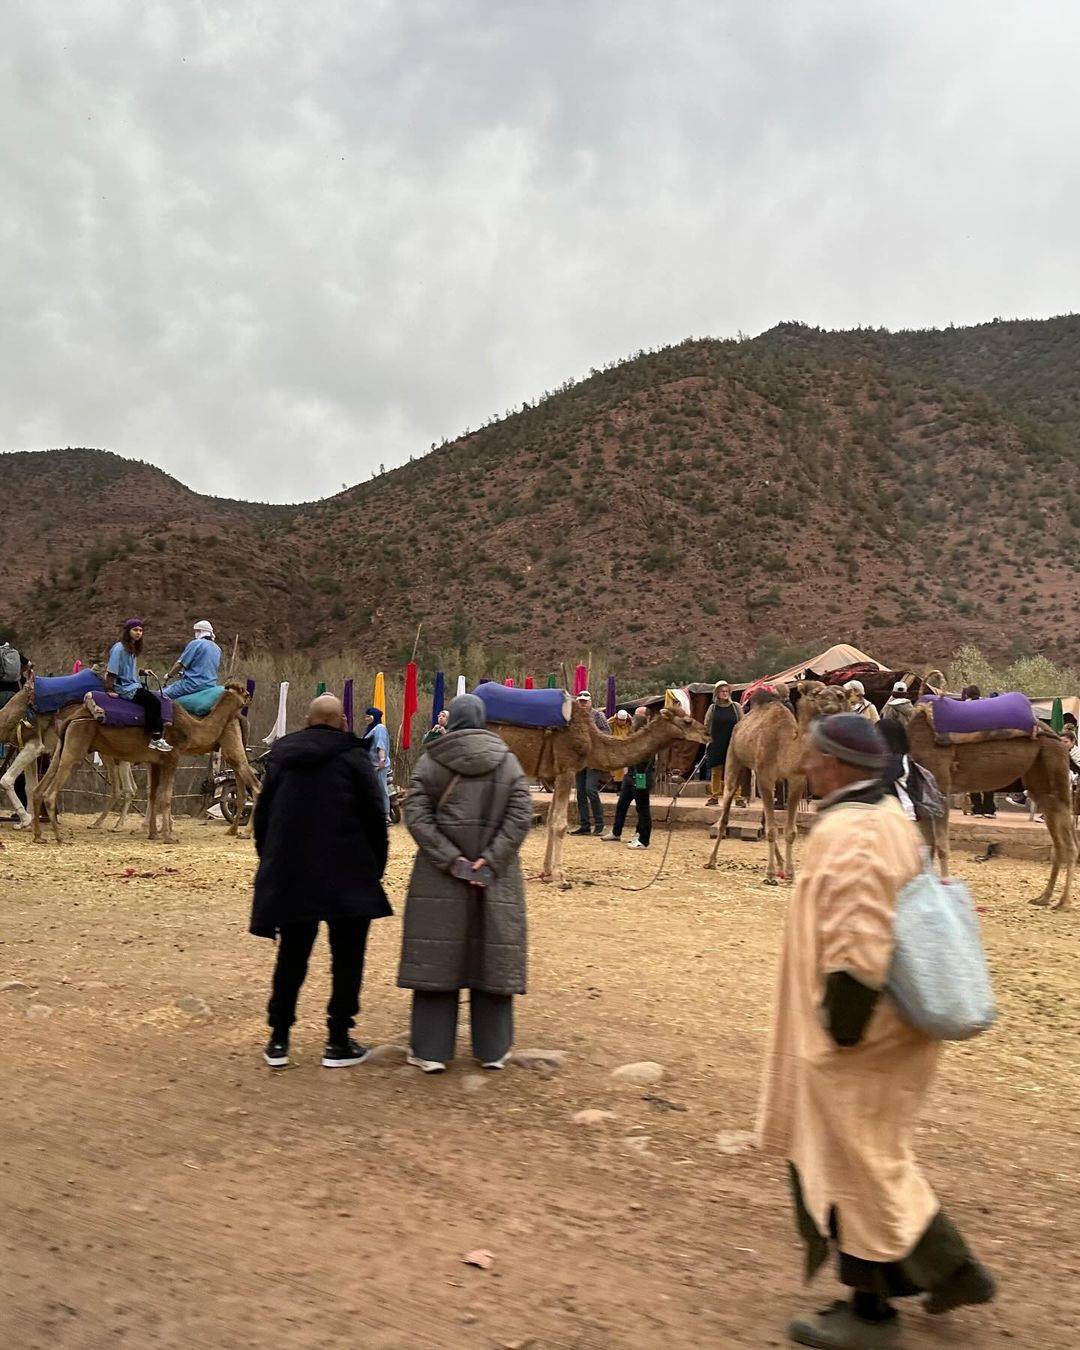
(276, 1053)
(343, 1054)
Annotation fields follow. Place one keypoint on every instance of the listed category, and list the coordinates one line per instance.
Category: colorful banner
(438, 698)
(251, 695)
(409, 706)
(320, 689)
(460, 685)
(278, 729)
(609, 706)
(378, 698)
(347, 702)
(529, 682)
(581, 680)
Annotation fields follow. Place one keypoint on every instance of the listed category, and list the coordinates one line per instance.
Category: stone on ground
(643, 1073)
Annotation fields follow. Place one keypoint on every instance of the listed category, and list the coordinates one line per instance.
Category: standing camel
(560, 753)
(1041, 760)
(188, 735)
(770, 742)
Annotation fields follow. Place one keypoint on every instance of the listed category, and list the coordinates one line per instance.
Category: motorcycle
(225, 793)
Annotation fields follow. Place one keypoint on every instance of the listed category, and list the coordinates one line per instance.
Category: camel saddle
(525, 707)
(121, 712)
(966, 721)
(53, 692)
(202, 701)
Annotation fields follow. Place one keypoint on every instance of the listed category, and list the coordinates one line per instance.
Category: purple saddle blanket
(1007, 712)
(121, 712)
(525, 707)
(53, 692)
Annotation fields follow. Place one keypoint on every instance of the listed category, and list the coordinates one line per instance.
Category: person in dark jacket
(320, 832)
(721, 719)
(636, 787)
(469, 809)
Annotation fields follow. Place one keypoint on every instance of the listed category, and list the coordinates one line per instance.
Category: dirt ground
(161, 1187)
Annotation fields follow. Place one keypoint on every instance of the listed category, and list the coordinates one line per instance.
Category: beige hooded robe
(845, 1117)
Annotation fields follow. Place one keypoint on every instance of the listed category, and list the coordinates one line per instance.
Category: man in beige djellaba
(846, 1077)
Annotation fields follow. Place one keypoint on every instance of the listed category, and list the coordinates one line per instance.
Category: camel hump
(538, 708)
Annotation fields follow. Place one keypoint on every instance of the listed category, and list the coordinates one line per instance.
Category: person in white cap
(197, 665)
(859, 703)
(900, 705)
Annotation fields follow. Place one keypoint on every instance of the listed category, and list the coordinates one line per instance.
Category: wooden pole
(232, 663)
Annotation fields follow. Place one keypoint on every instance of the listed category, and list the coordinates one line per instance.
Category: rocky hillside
(907, 492)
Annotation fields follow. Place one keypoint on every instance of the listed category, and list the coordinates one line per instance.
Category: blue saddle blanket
(525, 707)
(53, 692)
(200, 703)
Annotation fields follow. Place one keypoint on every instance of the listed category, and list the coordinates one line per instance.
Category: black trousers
(640, 797)
(151, 707)
(982, 803)
(348, 943)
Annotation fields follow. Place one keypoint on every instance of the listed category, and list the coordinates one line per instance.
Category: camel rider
(721, 719)
(122, 681)
(197, 665)
(859, 703)
(377, 741)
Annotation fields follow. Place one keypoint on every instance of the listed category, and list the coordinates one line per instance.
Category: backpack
(10, 664)
(927, 797)
(939, 979)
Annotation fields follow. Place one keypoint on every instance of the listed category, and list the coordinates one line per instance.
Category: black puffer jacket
(320, 832)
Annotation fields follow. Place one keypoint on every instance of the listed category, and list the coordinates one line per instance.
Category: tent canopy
(833, 658)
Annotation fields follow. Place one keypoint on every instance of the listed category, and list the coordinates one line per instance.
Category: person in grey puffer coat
(468, 800)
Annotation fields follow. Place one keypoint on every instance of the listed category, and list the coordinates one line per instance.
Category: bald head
(327, 711)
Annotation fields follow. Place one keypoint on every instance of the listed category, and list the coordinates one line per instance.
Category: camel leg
(22, 763)
(768, 790)
(126, 781)
(796, 789)
(112, 797)
(75, 745)
(165, 794)
(1059, 825)
(556, 828)
(731, 787)
(246, 783)
(152, 794)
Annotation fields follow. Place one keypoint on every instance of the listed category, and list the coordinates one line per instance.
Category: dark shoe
(598, 829)
(837, 1327)
(713, 801)
(970, 1285)
(276, 1053)
(581, 829)
(342, 1054)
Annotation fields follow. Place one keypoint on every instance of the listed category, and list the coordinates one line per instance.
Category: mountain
(906, 491)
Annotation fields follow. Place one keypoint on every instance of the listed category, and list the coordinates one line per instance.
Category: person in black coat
(320, 833)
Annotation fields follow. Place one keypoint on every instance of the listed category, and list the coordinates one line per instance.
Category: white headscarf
(204, 629)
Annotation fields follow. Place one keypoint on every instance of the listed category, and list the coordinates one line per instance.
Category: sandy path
(160, 1187)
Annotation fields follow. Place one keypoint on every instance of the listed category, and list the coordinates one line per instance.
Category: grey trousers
(435, 1018)
(588, 797)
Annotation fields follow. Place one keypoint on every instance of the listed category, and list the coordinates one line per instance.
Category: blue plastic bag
(939, 978)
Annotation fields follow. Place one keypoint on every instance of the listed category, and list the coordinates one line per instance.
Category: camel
(83, 732)
(1041, 760)
(38, 735)
(560, 753)
(770, 741)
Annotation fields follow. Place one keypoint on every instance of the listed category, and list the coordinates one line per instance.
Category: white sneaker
(496, 1063)
(425, 1065)
(608, 838)
(160, 743)
(636, 843)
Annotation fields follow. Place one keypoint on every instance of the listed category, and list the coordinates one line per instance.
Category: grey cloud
(271, 247)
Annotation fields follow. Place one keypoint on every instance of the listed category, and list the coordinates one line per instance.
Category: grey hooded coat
(468, 798)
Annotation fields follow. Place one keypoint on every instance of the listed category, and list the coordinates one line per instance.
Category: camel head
(241, 690)
(813, 699)
(683, 725)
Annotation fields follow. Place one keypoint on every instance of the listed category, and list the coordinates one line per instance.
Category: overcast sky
(269, 246)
